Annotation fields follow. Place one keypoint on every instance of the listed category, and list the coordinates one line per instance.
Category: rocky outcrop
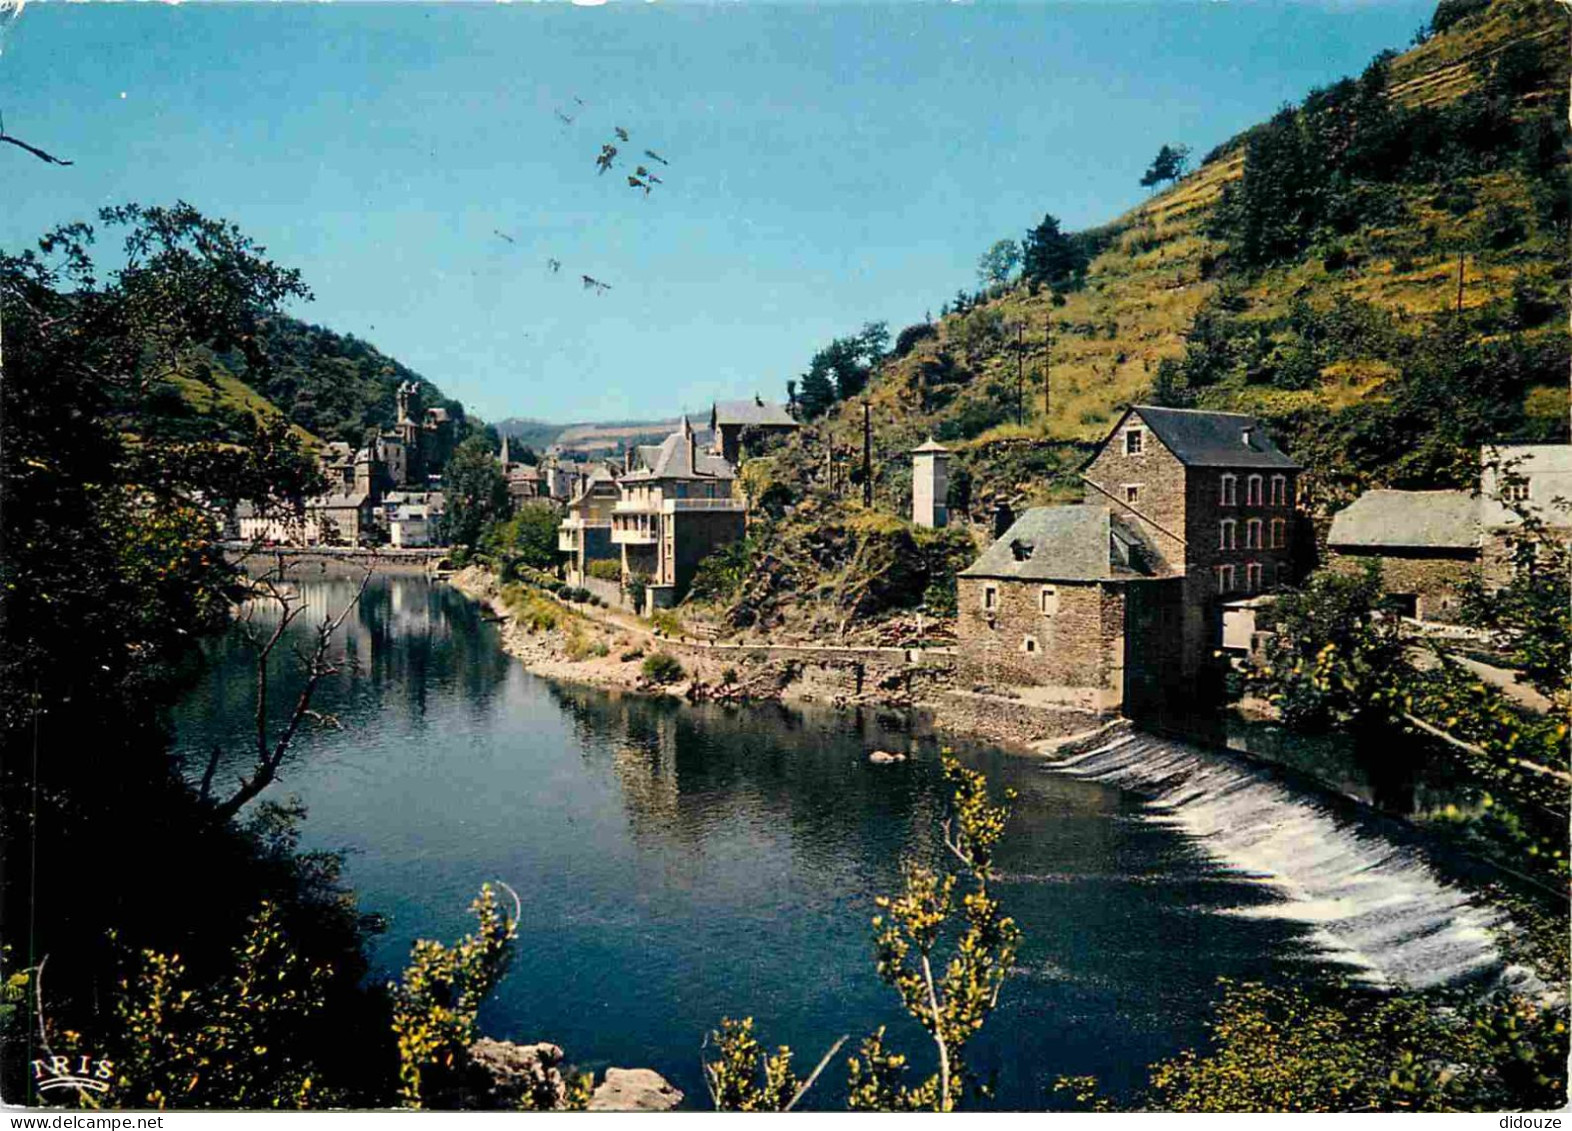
(634, 1089)
(509, 1076)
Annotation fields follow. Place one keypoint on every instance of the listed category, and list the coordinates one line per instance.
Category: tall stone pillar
(931, 485)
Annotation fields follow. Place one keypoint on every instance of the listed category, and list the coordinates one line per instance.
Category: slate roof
(1213, 439)
(930, 446)
(677, 458)
(338, 500)
(756, 411)
(1085, 542)
(1430, 520)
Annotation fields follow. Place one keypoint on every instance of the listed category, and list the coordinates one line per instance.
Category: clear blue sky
(830, 164)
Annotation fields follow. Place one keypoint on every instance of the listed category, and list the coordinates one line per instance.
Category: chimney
(1003, 519)
(627, 460)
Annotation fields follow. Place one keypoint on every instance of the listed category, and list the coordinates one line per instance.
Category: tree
(950, 1002)
(1171, 163)
(1051, 258)
(817, 395)
(475, 491)
(998, 264)
(528, 538)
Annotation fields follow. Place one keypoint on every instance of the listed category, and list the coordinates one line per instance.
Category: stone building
(1533, 478)
(1216, 499)
(1073, 601)
(585, 534)
(675, 506)
(1185, 512)
(730, 419)
(931, 485)
(1427, 544)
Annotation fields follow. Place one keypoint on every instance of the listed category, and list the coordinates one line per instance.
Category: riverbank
(606, 648)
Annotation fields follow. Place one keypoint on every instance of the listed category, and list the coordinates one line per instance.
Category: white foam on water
(1370, 904)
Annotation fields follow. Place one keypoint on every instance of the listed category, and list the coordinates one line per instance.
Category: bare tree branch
(271, 753)
(34, 150)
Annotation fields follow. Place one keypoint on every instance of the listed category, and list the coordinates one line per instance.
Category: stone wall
(1015, 644)
(1161, 502)
(1432, 577)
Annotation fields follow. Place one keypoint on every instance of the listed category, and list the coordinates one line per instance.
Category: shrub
(667, 623)
(729, 676)
(909, 337)
(580, 595)
(631, 654)
(662, 668)
(605, 569)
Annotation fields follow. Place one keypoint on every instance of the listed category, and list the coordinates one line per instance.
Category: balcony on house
(634, 525)
(572, 531)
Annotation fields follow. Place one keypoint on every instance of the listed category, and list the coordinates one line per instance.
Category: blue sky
(831, 164)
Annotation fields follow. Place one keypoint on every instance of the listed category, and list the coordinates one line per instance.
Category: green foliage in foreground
(1281, 1049)
(951, 999)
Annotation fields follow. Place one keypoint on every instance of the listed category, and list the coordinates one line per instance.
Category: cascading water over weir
(1372, 903)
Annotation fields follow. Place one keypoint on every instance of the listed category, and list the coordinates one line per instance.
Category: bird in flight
(567, 121)
(622, 134)
(504, 235)
(555, 265)
(608, 154)
(653, 156)
(595, 285)
(634, 182)
(641, 171)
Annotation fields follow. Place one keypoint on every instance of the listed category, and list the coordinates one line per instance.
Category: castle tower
(931, 485)
(506, 460)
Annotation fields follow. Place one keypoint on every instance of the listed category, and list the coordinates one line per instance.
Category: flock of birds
(643, 178)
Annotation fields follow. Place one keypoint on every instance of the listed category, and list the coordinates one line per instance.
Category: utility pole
(1047, 367)
(1460, 256)
(867, 454)
(1020, 373)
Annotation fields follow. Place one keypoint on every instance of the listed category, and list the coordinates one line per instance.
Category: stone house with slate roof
(1185, 510)
(675, 506)
(1427, 544)
(729, 419)
(1055, 601)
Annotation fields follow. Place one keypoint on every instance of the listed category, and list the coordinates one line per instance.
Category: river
(679, 864)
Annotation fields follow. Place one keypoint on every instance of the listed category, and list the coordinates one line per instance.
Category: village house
(1054, 603)
(1200, 502)
(729, 420)
(1533, 478)
(675, 505)
(1427, 544)
(414, 518)
(585, 534)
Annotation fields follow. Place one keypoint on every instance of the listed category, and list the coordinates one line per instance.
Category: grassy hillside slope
(1313, 340)
(1307, 271)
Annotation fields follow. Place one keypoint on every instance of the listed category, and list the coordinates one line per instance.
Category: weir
(1373, 903)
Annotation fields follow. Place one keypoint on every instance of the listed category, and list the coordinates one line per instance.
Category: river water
(680, 864)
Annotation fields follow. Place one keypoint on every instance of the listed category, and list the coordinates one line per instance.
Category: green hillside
(1307, 271)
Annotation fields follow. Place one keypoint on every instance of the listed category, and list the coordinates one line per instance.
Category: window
(1225, 578)
(1029, 645)
(1228, 497)
(1253, 534)
(1228, 535)
(990, 596)
(1253, 491)
(1253, 577)
(1133, 441)
(1132, 493)
(1279, 533)
(1515, 491)
(1279, 491)
(1049, 601)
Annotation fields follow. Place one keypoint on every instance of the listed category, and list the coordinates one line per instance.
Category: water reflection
(679, 864)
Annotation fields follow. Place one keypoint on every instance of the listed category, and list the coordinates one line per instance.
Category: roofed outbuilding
(1416, 520)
